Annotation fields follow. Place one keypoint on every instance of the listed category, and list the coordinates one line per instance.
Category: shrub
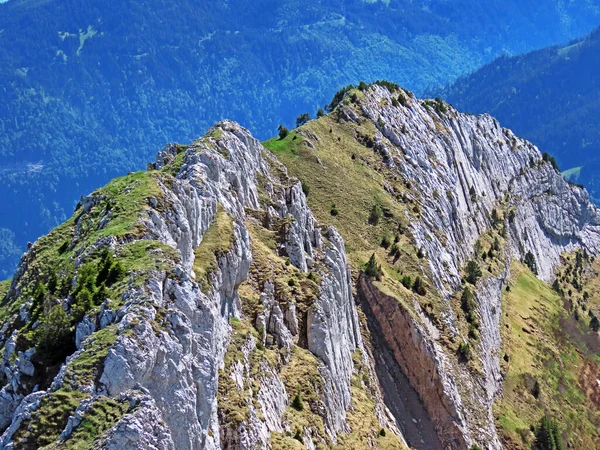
(86, 278)
(283, 132)
(386, 241)
(595, 324)
(302, 119)
(420, 253)
(556, 287)
(406, 281)
(473, 272)
(334, 211)
(547, 436)
(106, 262)
(338, 97)
(402, 99)
(82, 304)
(382, 432)
(495, 217)
(496, 245)
(469, 306)
(477, 248)
(53, 336)
(372, 269)
(473, 333)
(375, 215)
(63, 247)
(536, 390)
(511, 216)
(100, 295)
(548, 158)
(440, 106)
(395, 251)
(473, 194)
(529, 261)
(387, 84)
(418, 286)
(320, 112)
(464, 351)
(297, 403)
(39, 296)
(117, 272)
(305, 189)
(298, 436)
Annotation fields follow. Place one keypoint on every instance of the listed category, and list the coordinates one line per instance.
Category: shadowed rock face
(398, 356)
(406, 346)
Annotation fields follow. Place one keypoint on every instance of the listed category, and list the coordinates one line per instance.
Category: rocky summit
(394, 274)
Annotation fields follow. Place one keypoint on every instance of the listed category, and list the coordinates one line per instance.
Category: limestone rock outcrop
(171, 326)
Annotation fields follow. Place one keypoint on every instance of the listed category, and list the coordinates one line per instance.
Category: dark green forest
(551, 97)
(92, 89)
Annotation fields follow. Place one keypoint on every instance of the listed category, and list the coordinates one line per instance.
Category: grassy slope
(216, 240)
(542, 362)
(301, 374)
(53, 256)
(343, 172)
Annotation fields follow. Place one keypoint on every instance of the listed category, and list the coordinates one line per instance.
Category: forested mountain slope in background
(549, 96)
(90, 88)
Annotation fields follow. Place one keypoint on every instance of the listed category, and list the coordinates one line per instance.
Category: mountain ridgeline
(394, 274)
(550, 97)
(90, 89)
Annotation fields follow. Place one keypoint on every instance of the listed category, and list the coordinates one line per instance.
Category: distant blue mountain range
(90, 89)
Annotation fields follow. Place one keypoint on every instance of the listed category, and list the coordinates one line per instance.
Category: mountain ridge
(212, 294)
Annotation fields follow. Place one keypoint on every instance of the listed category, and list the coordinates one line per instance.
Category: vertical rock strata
(173, 326)
(200, 305)
(462, 168)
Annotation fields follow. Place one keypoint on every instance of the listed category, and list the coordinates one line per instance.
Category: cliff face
(201, 304)
(470, 176)
(200, 345)
(453, 191)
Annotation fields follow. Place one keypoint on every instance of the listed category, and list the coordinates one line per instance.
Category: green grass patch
(46, 424)
(146, 255)
(543, 367)
(5, 308)
(175, 166)
(86, 367)
(102, 415)
(215, 241)
(127, 198)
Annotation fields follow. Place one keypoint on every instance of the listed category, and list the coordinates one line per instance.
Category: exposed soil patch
(589, 380)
